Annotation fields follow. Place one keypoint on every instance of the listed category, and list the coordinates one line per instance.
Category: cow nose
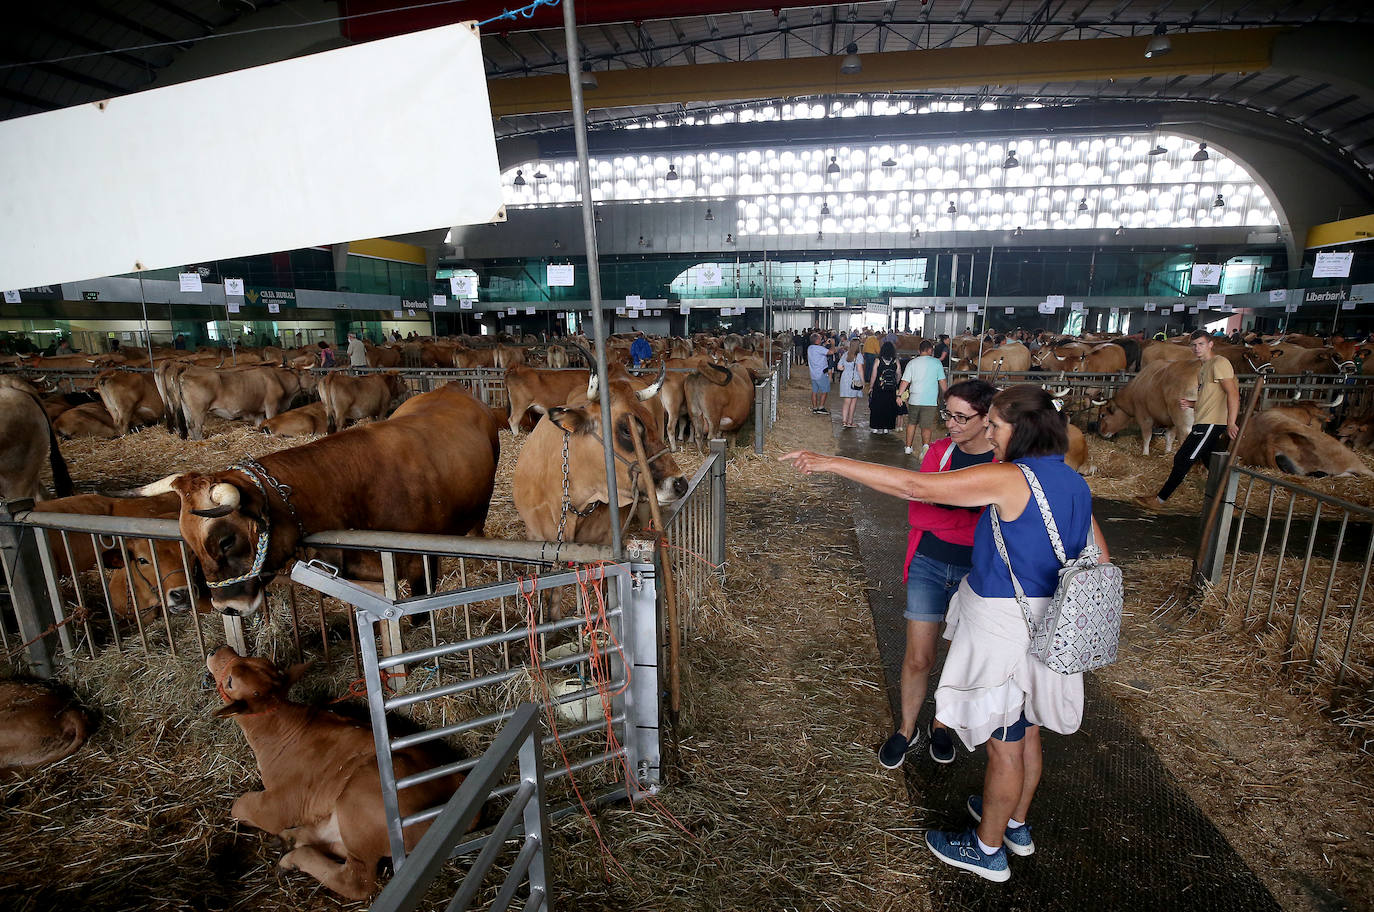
(178, 601)
(208, 681)
(679, 486)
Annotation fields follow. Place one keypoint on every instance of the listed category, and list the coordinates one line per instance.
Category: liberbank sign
(1335, 294)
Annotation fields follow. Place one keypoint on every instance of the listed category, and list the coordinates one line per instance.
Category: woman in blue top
(991, 690)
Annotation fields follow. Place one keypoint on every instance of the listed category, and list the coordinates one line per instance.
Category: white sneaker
(908, 450)
(925, 449)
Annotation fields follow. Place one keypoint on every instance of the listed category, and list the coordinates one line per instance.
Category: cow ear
(111, 559)
(296, 672)
(232, 708)
(570, 420)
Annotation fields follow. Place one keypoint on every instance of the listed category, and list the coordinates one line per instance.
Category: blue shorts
(930, 584)
(1013, 732)
(820, 386)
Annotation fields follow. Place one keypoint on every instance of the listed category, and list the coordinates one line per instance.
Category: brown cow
(28, 441)
(1275, 440)
(1009, 356)
(1077, 457)
(556, 356)
(1151, 400)
(253, 393)
(581, 514)
(38, 725)
(529, 388)
(321, 788)
(90, 419)
(348, 398)
(131, 398)
(1103, 358)
(1357, 432)
(298, 422)
(1165, 351)
(243, 531)
(1289, 358)
(719, 400)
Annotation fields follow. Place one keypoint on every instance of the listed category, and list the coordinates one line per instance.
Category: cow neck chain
(567, 499)
(255, 471)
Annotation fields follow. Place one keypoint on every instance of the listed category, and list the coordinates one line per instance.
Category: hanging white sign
(560, 275)
(1192, 310)
(634, 301)
(1347, 305)
(1045, 307)
(1010, 310)
(1333, 265)
(233, 307)
(939, 308)
(465, 304)
(1055, 300)
(190, 281)
(464, 286)
(1277, 295)
(708, 276)
(1149, 307)
(1216, 300)
(510, 311)
(1290, 308)
(1116, 311)
(1206, 274)
(684, 309)
(395, 315)
(529, 311)
(657, 313)
(274, 307)
(1076, 305)
(440, 301)
(973, 308)
(1179, 307)
(12, 297)
(233, 288)
(620, 311)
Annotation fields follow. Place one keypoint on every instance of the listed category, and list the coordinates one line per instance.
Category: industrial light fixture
(1019, 232)
(889, 162)
(729, 239)
(796, 283)
(519, 178)
(709, 216)
(1159, 45)
(1201, 154)
(539, 174)
(825, 209)
(952, 208)
(851, 65)
(1083, 204)
(1011, 161)
(915, 233)
(588, 78)
(596, 216)
(1120, 231)
(1158, 150)
(820, 236)
(833, 167)
(672, 172)
(642, 242)
(1218, 203)
(557, 244)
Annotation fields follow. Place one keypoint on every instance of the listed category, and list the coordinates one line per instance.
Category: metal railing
(526, 815)
(695, 529)
(1292, 565)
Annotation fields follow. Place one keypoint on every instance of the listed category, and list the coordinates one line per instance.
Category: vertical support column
(1215, 558)
(536, 815)
(233, 633)
(390, 630)
(641, 626)
(32, 610)
(760, 416)
(718, 503)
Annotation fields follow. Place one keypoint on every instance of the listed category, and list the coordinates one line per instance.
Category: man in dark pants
(1216, 410)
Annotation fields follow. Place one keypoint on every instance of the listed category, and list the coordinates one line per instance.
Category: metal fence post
(32, 610)
(760, 416)
(718, 503)
(1215, 558)
(642, 624)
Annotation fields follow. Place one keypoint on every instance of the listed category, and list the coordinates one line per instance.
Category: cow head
(248, 684)
(225, 522)
(152, 576)
(586, 457)
(396, 387)
(1111, 418)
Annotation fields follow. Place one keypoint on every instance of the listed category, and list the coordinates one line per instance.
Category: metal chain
(283, 491)
(567, 500)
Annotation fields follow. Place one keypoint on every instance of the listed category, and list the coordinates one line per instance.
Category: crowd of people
(992, 691)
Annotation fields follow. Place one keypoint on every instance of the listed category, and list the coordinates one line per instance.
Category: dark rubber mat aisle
(1113, 829)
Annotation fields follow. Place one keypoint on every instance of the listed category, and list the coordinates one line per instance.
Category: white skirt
(990, 678)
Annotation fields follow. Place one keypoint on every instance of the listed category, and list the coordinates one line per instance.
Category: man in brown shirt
(1215, 410)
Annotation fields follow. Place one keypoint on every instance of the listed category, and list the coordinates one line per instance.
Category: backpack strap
(1015, 583)
(1048, 517)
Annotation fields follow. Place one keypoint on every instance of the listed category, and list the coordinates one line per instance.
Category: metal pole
(584, 185)
(987, 296)
(147, 333)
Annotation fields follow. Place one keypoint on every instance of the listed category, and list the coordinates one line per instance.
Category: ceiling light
(709, 216)
(1159, 150)
(672, 172)
(557, 244)
(1019, 232)
(825, 209)
(851, 65)
(588, 78)
(797, 283)
(820, 236)
(539, 174)
(915, 233)
(519, 178)
(1011, 161)
(596, 217)
(952, 208)
(1120, 231)
(729, 239)
(1083, 204)
(1218, 203)
(1159, 45)
(642, 242)
(889, 162)
(832, 168)
(1201, 154)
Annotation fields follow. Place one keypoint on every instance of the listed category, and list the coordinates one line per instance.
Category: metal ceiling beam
(1211, 53)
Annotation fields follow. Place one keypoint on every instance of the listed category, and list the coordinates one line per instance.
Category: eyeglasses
(961, 420)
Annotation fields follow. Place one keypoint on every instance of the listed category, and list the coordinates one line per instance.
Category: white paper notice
(1179, 307)
(190, 281)
(12, 297)
(275, 307)
(560, 275)
(1277, 295)
(233, 307)
(510, 311)
(465, 304)
(1332, 265)
(1347, 305)
(1290, 308)
(1045, 307)
(1216, 300)
(439, 301)
(1115, 311)
(634, 301)
(656, 313)
(395, 314)
(1192, 310)
(463, 286)
(708, 275)
(939, 308)
(973, 308)
(620, 311)
(1149, 307)
(1076, 305)
(233, 288)
(410, 311)
(684, 309)
(1056, 300)
(1206, 274)
(529, 311)
(1010, 310)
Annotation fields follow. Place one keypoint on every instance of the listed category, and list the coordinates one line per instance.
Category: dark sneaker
(822, 411)
(894, 750)
(941, 745)
(961, 850)
(1017, 839)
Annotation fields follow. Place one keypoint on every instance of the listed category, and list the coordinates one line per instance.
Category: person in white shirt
(924, 383)
(357, 351)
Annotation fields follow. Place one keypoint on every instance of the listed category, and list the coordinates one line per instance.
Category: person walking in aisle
(925, 378)
(851, 380)
(818, 363)
(882, 396)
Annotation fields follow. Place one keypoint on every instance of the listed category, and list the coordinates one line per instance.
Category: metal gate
(606, 657)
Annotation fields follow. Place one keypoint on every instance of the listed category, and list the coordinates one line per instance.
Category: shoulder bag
(1082, 624)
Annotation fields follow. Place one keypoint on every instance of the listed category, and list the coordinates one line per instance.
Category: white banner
(440, 301)
(190, 281)
(1347, 305)
(684, 309)
(1216, 300)
(1192, 310)
(1046, 307)
(1076, 305)
(634, 301)
(656, 313)
(939, 308)
(1179, 307)
(1333, 266)
(510, 311)
(233, 288)
(463, 286)
(12, 297)
(233, 307)
(274, 307)
(708, 276)
(560, 275)
(1206, 274)
(1277, 295)
(1055, 300)
(1149, 307)
(530, 311)
(1010, 310)
(395, 314)
(1290, 308)
(465, 304)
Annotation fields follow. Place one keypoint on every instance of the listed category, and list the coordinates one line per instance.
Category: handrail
(1307, 492)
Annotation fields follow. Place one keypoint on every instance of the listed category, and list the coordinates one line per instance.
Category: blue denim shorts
(930, 585)
(821, 384)
(1013, 732)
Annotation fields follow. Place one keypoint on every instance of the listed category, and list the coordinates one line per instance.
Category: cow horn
(1060, 394)
(1336, 404)
(1099, 402)
(225, 495)
(591, 385)
(153, 489)
(652, 389)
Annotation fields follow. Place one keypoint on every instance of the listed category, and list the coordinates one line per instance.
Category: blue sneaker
(894, 750)
(961, 850)
(1017, 839)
